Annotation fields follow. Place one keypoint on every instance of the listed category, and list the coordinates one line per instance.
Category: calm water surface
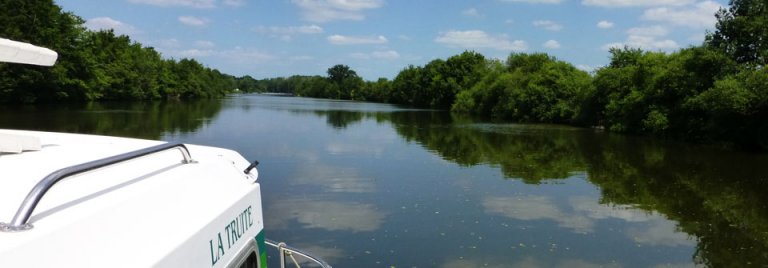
(372, 185)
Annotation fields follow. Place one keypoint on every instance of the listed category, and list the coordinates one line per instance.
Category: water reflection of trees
(340, 119)
(717, 196)
(531, 156)
(149, 120)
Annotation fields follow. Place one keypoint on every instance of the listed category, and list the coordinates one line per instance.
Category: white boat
(73, 200)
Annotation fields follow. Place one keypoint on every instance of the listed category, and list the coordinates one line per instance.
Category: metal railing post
(20, 221)
(284, 249)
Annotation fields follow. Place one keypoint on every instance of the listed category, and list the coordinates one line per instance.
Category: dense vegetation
(715, 92)
(95, 65)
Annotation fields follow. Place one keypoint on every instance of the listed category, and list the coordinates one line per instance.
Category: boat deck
(152, 211)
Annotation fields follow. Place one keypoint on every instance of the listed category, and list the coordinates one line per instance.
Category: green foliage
(437, 83)
(374, 91)
(736, 109)
(339, 73)
(648, 92)
(742, 32)
(529, 88)
(94, 65)
(249, 85)
(44, 23)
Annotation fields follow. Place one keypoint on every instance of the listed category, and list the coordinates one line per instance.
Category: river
(375, 185)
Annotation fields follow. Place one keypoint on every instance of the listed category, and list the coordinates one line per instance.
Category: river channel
(375, 185)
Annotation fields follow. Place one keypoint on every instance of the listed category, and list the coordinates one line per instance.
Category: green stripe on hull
(262, 245)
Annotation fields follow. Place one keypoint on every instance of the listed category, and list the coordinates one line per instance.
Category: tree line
(714, 92)
(95, 65)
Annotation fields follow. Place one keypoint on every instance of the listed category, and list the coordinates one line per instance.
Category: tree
(43, 23)
(742, 31)
(93, 65)
(529, 88)
(338, 73)
(344, 80)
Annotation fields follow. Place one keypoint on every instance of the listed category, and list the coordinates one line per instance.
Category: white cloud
(287, 33)
(184, 3)
(480, 39)
(635, 3)
(701, 15)
(290, 30)
(238, 55)
(234, 3)
(194, 53)
(387, 54)
(105, 23)
(548, 25)
(472, 12)
(360, 56)
(356, 40)
(552, 44)
(245, 55)
(301, 58)
(379, 55)
(645, 42)
(649, 38)
(205, 44)
(535, 1)
(329, 10)
(649, 31)
(167, 43)
(604, 24)
(586, 68)
(193, 21)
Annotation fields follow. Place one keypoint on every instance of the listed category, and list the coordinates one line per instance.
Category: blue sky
(378, 38)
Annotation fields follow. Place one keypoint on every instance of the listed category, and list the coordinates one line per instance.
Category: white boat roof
(19, 52)
(153, 211)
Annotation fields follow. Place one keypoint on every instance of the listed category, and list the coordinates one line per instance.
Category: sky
(379, 38)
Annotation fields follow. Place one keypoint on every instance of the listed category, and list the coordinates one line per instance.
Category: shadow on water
(148, 120)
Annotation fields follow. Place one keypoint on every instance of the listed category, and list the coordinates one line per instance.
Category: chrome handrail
(284, 250)
(20, 220)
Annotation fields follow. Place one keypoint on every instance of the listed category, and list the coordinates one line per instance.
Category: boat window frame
(251, 247)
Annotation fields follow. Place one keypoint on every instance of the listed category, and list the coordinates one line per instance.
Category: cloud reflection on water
(328, 254)
(336, 148)
(537, 208)
(327, 215)
(659, 233)
(581, 214)
(528, 262)
(334, 179)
